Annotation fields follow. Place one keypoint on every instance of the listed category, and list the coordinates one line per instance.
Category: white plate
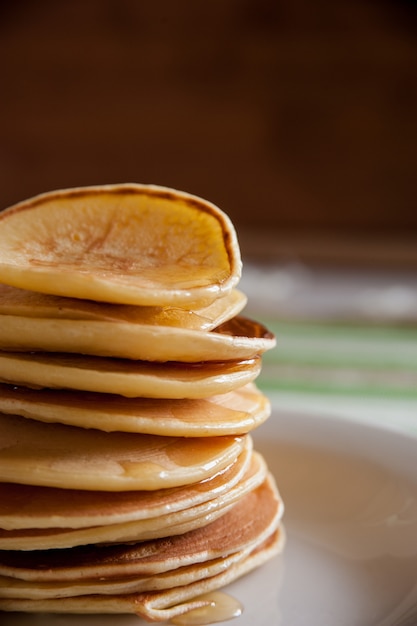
(351, 519)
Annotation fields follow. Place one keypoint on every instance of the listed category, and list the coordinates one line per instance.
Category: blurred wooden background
(298, 118)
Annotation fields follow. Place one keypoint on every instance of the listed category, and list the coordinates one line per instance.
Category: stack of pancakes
(128, 479)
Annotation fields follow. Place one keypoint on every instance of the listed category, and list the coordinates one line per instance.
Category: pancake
(169, 524)
(24, 303)
(236, 339)
(237, 530)
(126, 377)
(56, 455)
(233, 413)
(162, 605)
(256, 538)
(29, 506)
(128, 244)
(14, 588)
(180, 576)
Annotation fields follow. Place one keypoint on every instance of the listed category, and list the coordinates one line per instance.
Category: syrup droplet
(219, 608)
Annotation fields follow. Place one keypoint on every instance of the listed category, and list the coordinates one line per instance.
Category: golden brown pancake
(24, 303)
(129, 244)
(15, 588)
(256, 538)
(180, 576)
(236, 339)
(126, 377)
(30, 506)
(56, 455)
(167, 602)
(238, 529)
(169, 524)
(233, 413)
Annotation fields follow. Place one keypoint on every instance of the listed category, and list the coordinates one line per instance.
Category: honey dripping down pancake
(128, 478)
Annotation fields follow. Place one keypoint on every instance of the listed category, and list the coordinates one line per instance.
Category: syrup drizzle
(220, 607)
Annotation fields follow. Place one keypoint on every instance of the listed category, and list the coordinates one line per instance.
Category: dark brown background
(298, 118)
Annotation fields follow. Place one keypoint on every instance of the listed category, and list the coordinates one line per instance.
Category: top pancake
(127, 243)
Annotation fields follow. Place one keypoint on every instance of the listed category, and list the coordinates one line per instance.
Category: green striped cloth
(346, 340)
(333, 358)
(366, 373)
